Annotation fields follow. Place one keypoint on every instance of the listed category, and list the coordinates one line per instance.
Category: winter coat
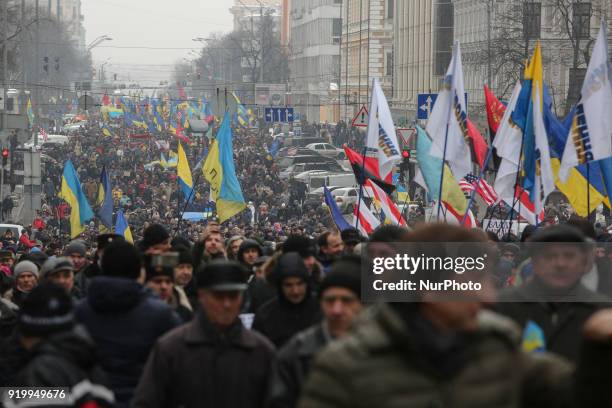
(125, 320)
(293, 365)
(279, 320)
(384, 363)
(561, 322)
(196, 366)
(67, 359)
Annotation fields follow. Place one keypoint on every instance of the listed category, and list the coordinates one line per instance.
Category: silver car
(327, 150)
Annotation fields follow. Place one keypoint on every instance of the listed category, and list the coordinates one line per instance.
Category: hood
(74, 344)
(291, 265)
(112, 295)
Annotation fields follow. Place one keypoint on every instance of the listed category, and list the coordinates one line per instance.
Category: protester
(233, 244)
(340, 300)
(61, 272)
(26, 279)
(248, 253)
(213, 360)
(93, 269)
(160, 279)
(330, 248)
(59, 353)
(294, 307)
(555, 299)
(123, 318)
(184, 282)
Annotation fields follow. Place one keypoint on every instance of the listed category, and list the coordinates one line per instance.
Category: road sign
(279, 114)
(361, 118)
(297, 131)
(406, 134)
(426, 102)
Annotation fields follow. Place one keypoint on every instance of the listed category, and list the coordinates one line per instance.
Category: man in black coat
(59, 354)
(124, 318)
(340, 300)
(294, 309)
(555, 299)
(213, 361)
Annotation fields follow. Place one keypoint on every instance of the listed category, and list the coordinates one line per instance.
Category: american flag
(43, 133)
(470, 183)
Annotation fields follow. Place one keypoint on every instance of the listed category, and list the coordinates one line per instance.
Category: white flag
(382, 140)
(590, 136)
(450, 112)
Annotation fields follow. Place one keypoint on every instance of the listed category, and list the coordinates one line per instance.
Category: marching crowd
(267, 310)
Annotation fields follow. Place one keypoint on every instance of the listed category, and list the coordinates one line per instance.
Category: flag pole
(588, 189)
(182, 212)
(363, 158)
(482, 170)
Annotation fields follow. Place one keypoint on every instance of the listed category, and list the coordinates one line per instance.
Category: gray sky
(151, 23)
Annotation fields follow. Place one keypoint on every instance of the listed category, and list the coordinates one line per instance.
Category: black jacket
(293, 365)
(197, 366)
(279, 320)
(561, 322)
(125, 320)
(67, 359)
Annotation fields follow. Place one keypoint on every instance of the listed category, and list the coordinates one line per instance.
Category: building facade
(314, 58)
(366, 52)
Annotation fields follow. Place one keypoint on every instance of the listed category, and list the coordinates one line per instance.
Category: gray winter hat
(53, 265)
(25, 266)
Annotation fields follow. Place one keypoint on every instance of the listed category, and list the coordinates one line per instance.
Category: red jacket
(25, 241)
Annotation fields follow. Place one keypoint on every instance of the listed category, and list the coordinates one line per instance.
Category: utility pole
(261, 27)
(5, 76)
(37, 63)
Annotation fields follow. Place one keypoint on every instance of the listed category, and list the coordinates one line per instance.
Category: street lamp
(98, 41)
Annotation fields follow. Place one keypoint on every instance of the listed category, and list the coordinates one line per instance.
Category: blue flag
(336, 215)
(105, 200)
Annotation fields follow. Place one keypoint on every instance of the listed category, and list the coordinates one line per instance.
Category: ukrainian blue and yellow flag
(576, 185)
(220, 172)
(184, 174)
(71, 192)
(105, 200)
(122, 228)
(244, 116)
(533, 338)
(30, 112)
(106, 131)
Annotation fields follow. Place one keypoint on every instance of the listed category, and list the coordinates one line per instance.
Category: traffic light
(405, 164)
(46, 64)
(5, 155)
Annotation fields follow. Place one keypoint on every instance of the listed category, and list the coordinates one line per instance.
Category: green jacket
(379, 366)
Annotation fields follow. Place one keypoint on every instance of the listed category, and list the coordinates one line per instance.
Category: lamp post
(98, 41)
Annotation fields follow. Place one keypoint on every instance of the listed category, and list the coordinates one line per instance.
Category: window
(581, 23)
(532, 20)
(337, 27)
(352, 193)
(389, 66)
(390, 9)
(445, 23)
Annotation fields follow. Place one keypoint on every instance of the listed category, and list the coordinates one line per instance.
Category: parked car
(327, 150)
(302, 141)
(315, 198)
(16, 228)
(285, 162)
(299, 168)
(296, 151)
(347, 198)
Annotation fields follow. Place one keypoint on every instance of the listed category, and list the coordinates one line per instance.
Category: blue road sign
(279, 114)
(425, 104)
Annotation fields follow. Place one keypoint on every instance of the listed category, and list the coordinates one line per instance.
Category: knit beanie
(345, 273)
(25, 266)
(47, 309)
(76, 246)
(56, 264)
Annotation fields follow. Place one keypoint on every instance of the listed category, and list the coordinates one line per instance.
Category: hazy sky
(153, 24)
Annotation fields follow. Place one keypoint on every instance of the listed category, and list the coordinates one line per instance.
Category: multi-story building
(497, 37)
(366, 52)
(422, 40)
(70, 16)
(314, 58)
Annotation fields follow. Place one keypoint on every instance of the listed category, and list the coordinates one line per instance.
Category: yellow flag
(212, 170)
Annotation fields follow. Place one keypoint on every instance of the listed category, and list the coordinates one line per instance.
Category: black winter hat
(155, 271)
(47, 309)
(345, 273)
(104, 240)
(351, 236)
(184, 255)
(558, 233)
(121, 260)
(300, 244)
(222, 275)
(248, 244)
(153, 235)
(290, 265)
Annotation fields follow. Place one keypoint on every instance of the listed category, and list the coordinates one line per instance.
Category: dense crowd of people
(267, 309)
